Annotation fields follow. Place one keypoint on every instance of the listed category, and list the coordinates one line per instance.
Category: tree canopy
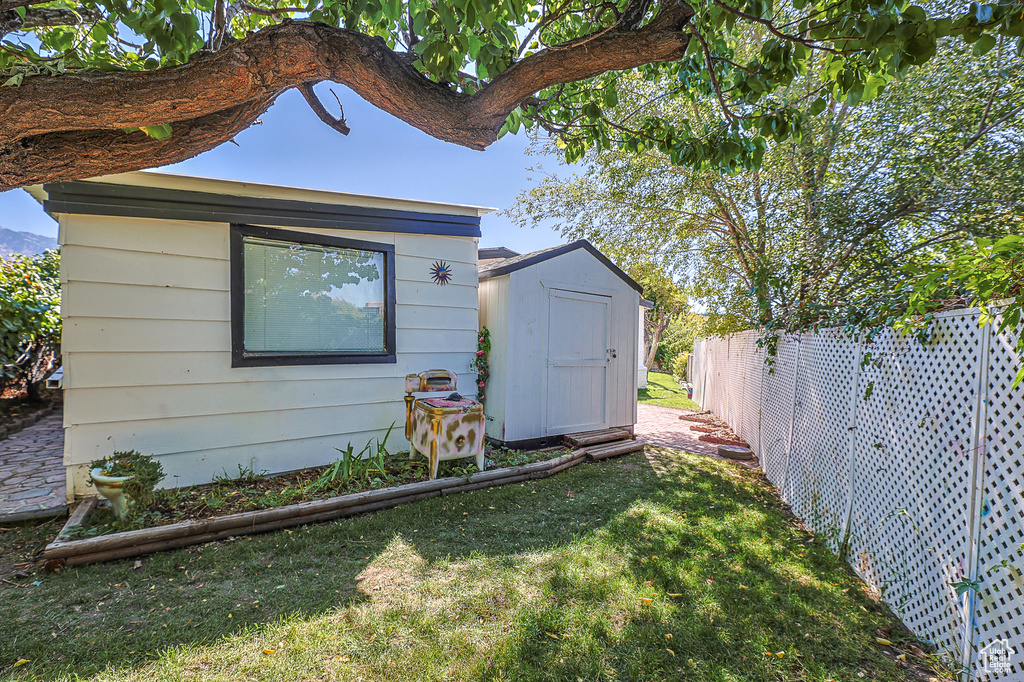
(97, 87)
(837, 224)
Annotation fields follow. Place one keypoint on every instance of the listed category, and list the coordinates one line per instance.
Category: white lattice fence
(777, 386)
(918, 450)
(747, 406)
(999, 606)
(819, 463)
(913, 486)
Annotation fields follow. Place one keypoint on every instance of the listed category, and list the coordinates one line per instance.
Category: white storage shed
(563, 325)
(217, 324)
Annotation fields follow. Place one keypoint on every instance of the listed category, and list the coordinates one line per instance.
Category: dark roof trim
(499, 268)
(646, 304)
(496, 252)
(131, 201)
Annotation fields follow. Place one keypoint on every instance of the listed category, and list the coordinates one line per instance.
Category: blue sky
(381, 155)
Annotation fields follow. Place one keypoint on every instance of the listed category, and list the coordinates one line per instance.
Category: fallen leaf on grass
(883, 641)
(646, 600)
(22, 661)
(916, 651)
(677, 594)
(671, 652)
(269, 651)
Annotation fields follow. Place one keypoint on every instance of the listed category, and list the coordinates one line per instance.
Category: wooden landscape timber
(148, 540)
(595, 437)
(614, 450)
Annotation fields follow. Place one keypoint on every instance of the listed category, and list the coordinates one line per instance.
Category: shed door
(577, 362)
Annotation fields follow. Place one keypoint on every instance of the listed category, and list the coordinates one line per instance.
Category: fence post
(792, 418)
(844, 547)
(979, 439)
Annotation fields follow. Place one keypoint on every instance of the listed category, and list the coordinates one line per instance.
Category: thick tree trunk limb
(71, 126)
(102, 152)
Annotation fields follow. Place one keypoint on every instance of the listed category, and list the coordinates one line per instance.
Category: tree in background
(679, 338)
(669, 303)
(103, 86)
(30, 324)
(827, 231)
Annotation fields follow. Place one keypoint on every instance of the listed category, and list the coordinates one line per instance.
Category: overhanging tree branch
(65, 110)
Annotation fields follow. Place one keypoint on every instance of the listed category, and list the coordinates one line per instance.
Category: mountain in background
(28, 243)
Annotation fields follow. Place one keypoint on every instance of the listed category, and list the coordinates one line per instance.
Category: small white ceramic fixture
(112, 488)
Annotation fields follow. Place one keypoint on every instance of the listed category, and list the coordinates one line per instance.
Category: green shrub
(679, 366)
(30, 324)
(145, 474)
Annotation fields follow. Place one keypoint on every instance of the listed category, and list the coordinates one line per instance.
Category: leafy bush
(679, 366)
(480, 364)
(30, 324)
(145, 474)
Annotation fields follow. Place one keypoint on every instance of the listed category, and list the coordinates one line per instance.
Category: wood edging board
(614, 450)
(148, 540)
(595, 437)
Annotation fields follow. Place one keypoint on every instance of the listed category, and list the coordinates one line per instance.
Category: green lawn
(661, 565)
(663, 390)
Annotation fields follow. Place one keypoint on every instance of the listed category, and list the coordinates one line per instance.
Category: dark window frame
(239, 357)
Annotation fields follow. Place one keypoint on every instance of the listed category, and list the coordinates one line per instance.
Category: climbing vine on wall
(479, 364)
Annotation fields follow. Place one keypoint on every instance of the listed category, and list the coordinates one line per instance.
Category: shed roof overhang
(180, 197)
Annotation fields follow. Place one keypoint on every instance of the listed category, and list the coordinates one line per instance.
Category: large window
(298, 299)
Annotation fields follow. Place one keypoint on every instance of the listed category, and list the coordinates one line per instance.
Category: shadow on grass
(567, 577)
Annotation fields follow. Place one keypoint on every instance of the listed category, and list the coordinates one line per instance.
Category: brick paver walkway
(32, 471)
(662, 426)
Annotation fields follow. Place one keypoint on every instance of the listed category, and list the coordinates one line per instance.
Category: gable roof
(504, 267)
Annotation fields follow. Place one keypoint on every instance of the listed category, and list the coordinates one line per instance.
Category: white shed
(563, 325)
(217, 324)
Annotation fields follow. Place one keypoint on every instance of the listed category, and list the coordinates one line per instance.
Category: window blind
(307, 299)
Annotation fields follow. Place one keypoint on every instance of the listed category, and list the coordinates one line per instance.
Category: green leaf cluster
(30, 324)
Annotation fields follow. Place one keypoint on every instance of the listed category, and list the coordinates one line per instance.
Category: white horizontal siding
(93, 300)
(201, 464)
(95, 405)
(104, 369)
(122, 266)
(147, 342)
(144, 235)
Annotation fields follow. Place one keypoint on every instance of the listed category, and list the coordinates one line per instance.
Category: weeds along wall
(908, 459)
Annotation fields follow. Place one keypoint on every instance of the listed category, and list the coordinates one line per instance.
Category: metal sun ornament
(441, 272)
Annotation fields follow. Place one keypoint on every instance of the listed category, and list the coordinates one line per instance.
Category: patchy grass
(664, 391)
(661, 565)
